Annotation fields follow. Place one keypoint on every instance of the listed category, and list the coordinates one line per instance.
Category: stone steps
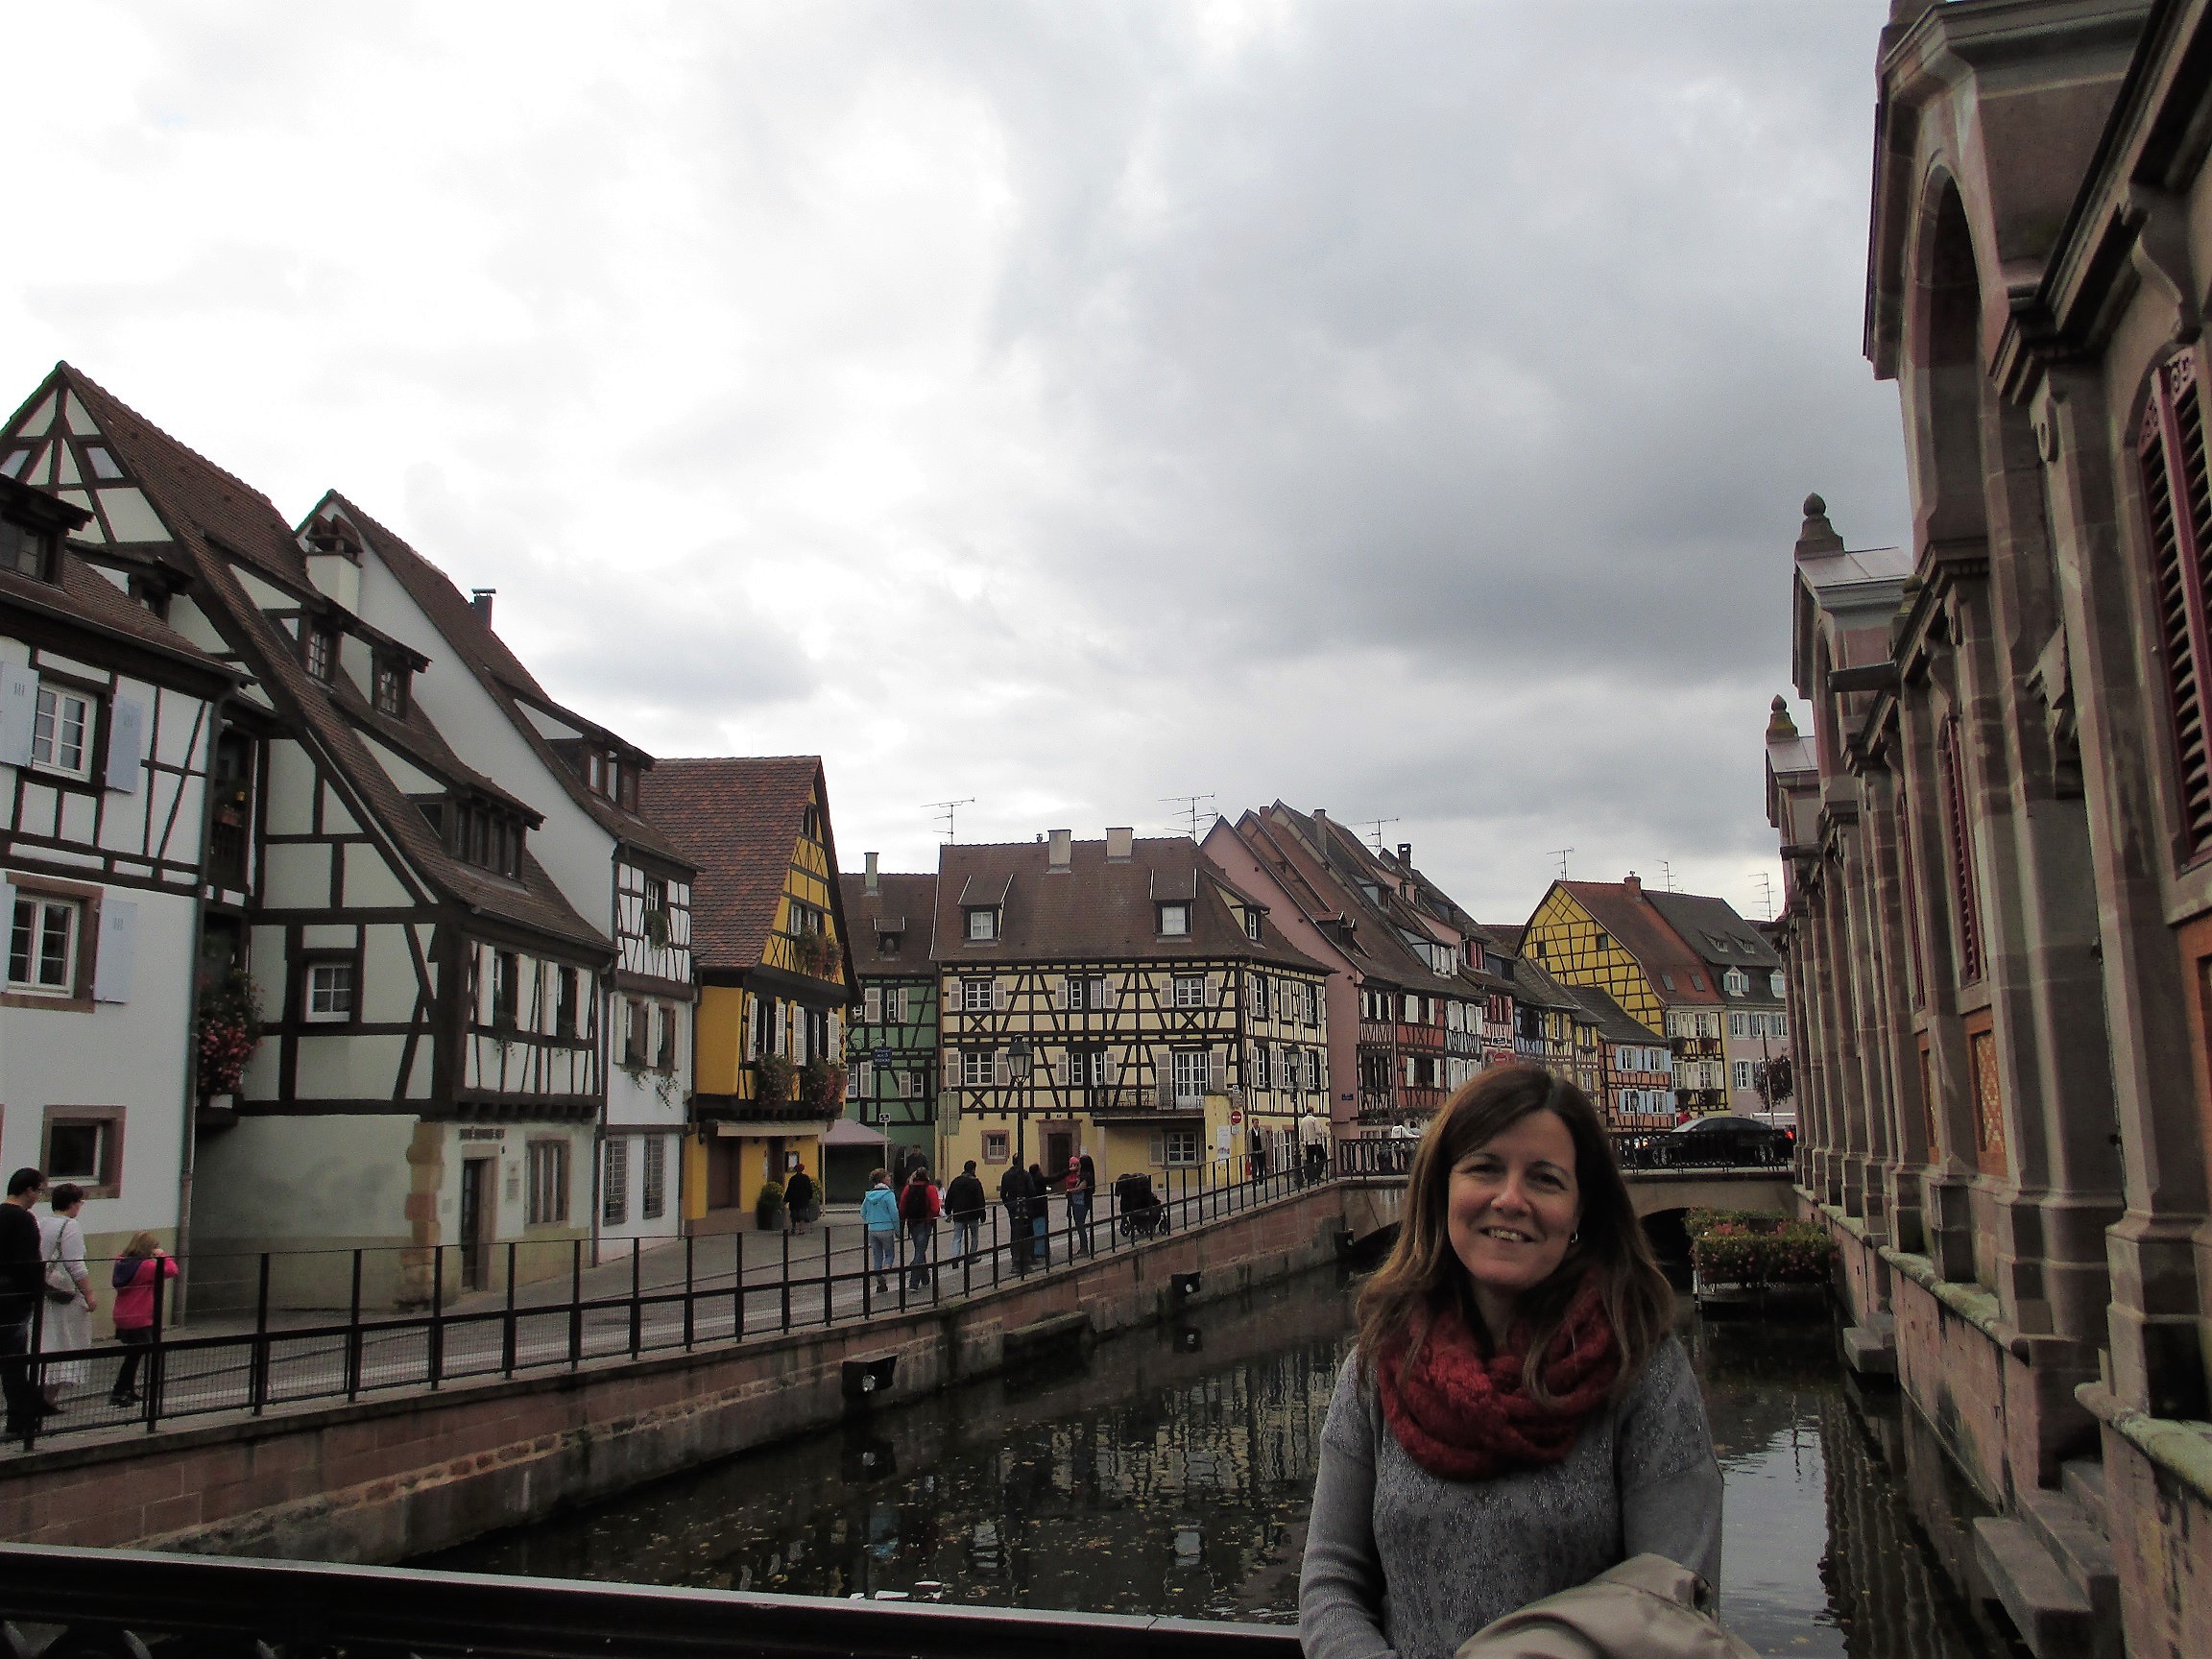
(2082, 1479)
(2051, 1566)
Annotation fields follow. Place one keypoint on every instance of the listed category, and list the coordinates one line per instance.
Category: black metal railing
(547, 1309)
(1636, 1151)
(109, 1601)
(1375, 1154)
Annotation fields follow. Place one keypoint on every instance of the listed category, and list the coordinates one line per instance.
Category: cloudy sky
(1399, 409)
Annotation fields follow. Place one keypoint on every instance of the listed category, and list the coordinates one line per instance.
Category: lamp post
(1018, 1058)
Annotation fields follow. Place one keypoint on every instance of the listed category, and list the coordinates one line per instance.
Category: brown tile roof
(1098, 910)
(1615, 1023)
(1645, 934)
(1342, 868)
(214, 517)
(86, 597)
(907, 899)
(500, 672)
(737, 821)
(1715, 931)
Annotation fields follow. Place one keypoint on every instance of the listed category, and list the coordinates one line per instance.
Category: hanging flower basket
(227, 1031)
(822, 1087)
(773, 1074)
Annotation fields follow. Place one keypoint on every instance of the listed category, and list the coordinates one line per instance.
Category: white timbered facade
(107, 722)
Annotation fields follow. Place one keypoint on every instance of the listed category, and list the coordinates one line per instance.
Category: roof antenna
(1560, 853)
(1191, 809)
(1766, 891)
(1375, 825)
(1667, 873)
(947, 810)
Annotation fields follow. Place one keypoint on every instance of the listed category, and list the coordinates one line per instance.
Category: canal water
(1171, 1473)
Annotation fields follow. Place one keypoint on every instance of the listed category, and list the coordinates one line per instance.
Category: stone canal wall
(382, 1480)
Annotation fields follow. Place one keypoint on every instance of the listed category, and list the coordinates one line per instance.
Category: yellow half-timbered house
(1120, 998)
(768, 948)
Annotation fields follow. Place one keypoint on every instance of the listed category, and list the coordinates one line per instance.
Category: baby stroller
(1141, 1213)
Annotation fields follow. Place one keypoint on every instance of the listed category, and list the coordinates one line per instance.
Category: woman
(1518, 1416)
(800, 1200)
(1039, 1216)
(879, 1215)
(69, 1300)
(919, 1207)
(142, 1260)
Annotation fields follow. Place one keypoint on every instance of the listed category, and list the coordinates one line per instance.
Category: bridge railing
(1374, 1155)
(1638, 1150)
(515, 1307)
(109, 1601)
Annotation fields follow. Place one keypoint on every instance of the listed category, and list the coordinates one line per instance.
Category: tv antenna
(1666, 875)
(949, 810)
(1374, 827)
(1560, 853)
(1191, 811)
(1766, 891)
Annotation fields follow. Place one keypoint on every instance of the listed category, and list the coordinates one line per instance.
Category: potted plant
(768, 1207)
(773, 1072)
(816, 954)
(821, 1087)
(227, 1031)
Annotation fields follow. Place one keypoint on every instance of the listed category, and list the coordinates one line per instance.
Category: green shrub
(1778, 1253)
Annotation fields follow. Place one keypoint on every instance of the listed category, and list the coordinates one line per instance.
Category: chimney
(1406, 857)
(1060, 857)
(1120, 846)
(1634, 884)
(480, 602)
(873, 880)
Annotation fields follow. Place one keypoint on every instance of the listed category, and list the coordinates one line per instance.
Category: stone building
(1998, 833)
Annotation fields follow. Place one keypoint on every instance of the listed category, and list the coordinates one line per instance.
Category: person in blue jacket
(879, 1213)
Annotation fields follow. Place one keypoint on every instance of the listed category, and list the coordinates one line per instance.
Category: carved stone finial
(1780, 728)
(1819, 537)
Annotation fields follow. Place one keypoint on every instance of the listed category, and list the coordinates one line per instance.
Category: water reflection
(1165, 1481)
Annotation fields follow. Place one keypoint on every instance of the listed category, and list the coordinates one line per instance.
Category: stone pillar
(1906, 1124)
(1838, 1054)
(1863, 952)
(425, 1180)
(2157, 1325)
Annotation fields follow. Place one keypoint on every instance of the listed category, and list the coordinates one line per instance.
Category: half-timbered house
(107, 722)
(1607, 935)
(613, 866)
(1120, 997)
(772, 957)
(1634, 1068)
(1745, 968)
(428, 1076)
(891, 1059)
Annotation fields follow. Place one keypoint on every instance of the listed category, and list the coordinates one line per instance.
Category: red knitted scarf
(1463, 1417)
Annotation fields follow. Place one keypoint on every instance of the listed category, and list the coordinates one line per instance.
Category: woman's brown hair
(1422, 1274)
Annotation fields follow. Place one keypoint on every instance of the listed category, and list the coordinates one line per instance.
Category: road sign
(1235, 1117)
(882, 1056)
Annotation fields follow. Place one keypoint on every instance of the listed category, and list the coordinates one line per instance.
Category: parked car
(1726, 1140)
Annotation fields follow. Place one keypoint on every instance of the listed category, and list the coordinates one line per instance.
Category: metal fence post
(737, 1295)
(507, 1331)
(575, 1303)
(354, 1334)
(828, 1284)
(995, 1209)
(437, 1356)
(156, 1352)
(783, 1286)
(689, 1290)
(257, 1374)
(636, 1304)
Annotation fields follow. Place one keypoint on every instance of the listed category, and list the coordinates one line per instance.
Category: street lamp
(1017, 1057)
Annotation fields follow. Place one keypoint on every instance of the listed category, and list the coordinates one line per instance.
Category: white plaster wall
(320, 1180)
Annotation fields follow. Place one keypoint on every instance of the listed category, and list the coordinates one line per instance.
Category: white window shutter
(872, 1005)
(998, 1072)
(18, 710)
(1060, 993)
(1159, 1150)
(1112, 1068)
(952, 1068)
(118, 950)
(1212, 990)
(126, 743)
(1217, 1070)
(867, 1080)
(1163, 1076)
(1060, 1066)
(1108, 999)
(998, 995)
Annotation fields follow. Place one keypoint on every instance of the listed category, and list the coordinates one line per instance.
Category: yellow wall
(1569, 934)
(1116, 1149)
(720, 1060)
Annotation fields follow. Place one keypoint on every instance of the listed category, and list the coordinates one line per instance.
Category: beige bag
(1648, 1608)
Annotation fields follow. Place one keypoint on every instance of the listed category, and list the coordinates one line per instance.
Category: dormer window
(1736, 983)
(982, 920)
(392, 688)
(478, 834)
(889, 941)
(1174, 921)
(1774, 983)
(1252, 923)
(25, 551)
(322, 652)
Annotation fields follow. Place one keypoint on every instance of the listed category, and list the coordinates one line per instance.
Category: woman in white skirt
(68, 1323)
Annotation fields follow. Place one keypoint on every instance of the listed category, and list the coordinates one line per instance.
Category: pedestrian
(1517, 1417)
(1082, 1195)
(965, 1202)
(70, 1303)
(1258, 1154)
(135, 1271)
(801, 1202)
(879, 1214)
(1014, 1193)
(919, 1207)
(22, 1278)
(1039, 1216)
(1313, 1142)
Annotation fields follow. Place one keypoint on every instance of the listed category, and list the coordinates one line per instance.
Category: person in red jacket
(135, 1271)
(919, 1207)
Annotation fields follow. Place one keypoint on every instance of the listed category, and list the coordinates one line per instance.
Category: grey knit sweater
(1401, 1562)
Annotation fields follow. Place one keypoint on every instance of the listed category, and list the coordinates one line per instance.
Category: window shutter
(867, 1079)
(118, 950)
(2171, 449)
(1163, 1077)
(18, 710)
(1217, 1070)
(1212, 990)
(1159, 1150)
(952, 1067)
(1110, 1068)
(1060, 993)
(1106, 985)
(1964, 893)
(1000, 1074)
(1060, 1068)
(872, 1005)
(126, 743)
(998, 995)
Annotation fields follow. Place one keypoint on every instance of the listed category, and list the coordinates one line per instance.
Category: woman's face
(1513, 1204)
